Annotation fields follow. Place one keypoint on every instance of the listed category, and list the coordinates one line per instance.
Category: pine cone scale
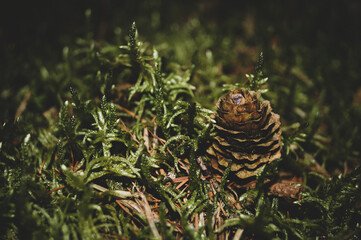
(273, 125)
(247, 148)
(249, 160)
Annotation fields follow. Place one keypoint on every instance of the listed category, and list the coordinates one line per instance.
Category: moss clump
(109, 142)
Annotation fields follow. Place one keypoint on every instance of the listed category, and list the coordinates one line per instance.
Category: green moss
(107, 123)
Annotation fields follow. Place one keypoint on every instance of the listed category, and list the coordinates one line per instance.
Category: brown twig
(23, 105)
(56, 189)
(156, 137)
(149, 215)
(127, 111)
(42, 166)
(125, 128)
(182, 183)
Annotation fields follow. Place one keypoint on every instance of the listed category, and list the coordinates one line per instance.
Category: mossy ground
(104, 127)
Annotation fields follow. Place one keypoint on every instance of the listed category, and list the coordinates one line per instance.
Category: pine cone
(248, 134)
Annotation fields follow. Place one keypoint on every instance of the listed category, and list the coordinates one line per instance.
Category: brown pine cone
(248, 134)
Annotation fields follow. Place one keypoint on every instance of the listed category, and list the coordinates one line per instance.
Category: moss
(110, 133)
